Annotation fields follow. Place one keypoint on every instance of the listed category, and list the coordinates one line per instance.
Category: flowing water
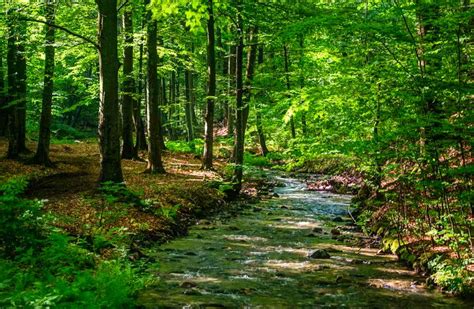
(262, 259)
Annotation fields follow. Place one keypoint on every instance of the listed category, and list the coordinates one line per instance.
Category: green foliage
(42, 267)
(256, 160)
(452, 275)
(194, 147)
(21, 220)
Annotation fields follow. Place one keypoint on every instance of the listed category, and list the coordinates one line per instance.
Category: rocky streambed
(297, 250)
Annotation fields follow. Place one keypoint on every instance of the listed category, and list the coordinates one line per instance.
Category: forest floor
(156, 207)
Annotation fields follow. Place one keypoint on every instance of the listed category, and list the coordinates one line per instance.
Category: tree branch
(63, 29)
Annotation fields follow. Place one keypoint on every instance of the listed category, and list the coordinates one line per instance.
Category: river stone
(275, 194)
(338, 219)
(320, 254)
(335, 232)
(317, 230)
(188, 285)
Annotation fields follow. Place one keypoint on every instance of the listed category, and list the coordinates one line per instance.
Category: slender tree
(239, 122)
(288, 86)
(128, 88)
(42, 150)
(109, 132)
(155, 164)
(211, 91)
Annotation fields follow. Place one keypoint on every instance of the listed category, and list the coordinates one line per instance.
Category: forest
(236, 153)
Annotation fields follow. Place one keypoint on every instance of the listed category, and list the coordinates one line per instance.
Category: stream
(275, 254)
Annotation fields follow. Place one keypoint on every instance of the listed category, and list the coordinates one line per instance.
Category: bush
(21, 220)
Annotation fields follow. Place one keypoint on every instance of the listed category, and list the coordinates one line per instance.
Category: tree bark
(250, 70)
(155, 164)
(239, 129)
(260, 132)
(109, 133)
(140, 138)
(3, 92)
(303, 114)
(21, 86)
(42, 150)
(211, 91)
(288, 87)
(128, 88)
(189, 105)
(13, 150)
(231, 90)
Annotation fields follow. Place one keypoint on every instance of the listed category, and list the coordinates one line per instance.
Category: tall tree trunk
(288, 87)
(128, 88)
(161, 104)
(3, 92)
(42, 150)
(250, 70)
(189, 105)
(260, 132)
(12, 96)
(109, 133)
(155, 164)
(239, 129)
(211, 91)
(231, 90)
(303, 114)
(140, 138)
(21, 86)
(172, 107)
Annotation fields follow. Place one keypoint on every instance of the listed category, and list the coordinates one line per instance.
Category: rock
(284, 207)
(204, 222)
(188, 285)
(335, 232)
(320, 254)
(338, 219)
(275, 194)
(317, 230)
(192, 292)
(342, 279)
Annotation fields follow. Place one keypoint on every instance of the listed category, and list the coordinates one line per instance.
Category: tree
(211, 91)
(109, 133)
(128, 88)
(42, 150)
(239, 106)
(155, 164)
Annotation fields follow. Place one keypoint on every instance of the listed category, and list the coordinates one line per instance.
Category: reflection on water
(265, 261)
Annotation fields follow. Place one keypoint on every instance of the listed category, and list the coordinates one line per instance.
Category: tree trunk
(251, 57)
(128, 88)
(13, 149)
(231, 90)
(303, 114)
(260, 132)
(172, 106)
(140, 138)
(3, 92)
(288, 87)
(239, 129)
(188, 108)
(21, 86)
(109, 133)
(42, 150)
(211, 92)
(155, 164)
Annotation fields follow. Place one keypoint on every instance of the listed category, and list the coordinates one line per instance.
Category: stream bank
(296, 250)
